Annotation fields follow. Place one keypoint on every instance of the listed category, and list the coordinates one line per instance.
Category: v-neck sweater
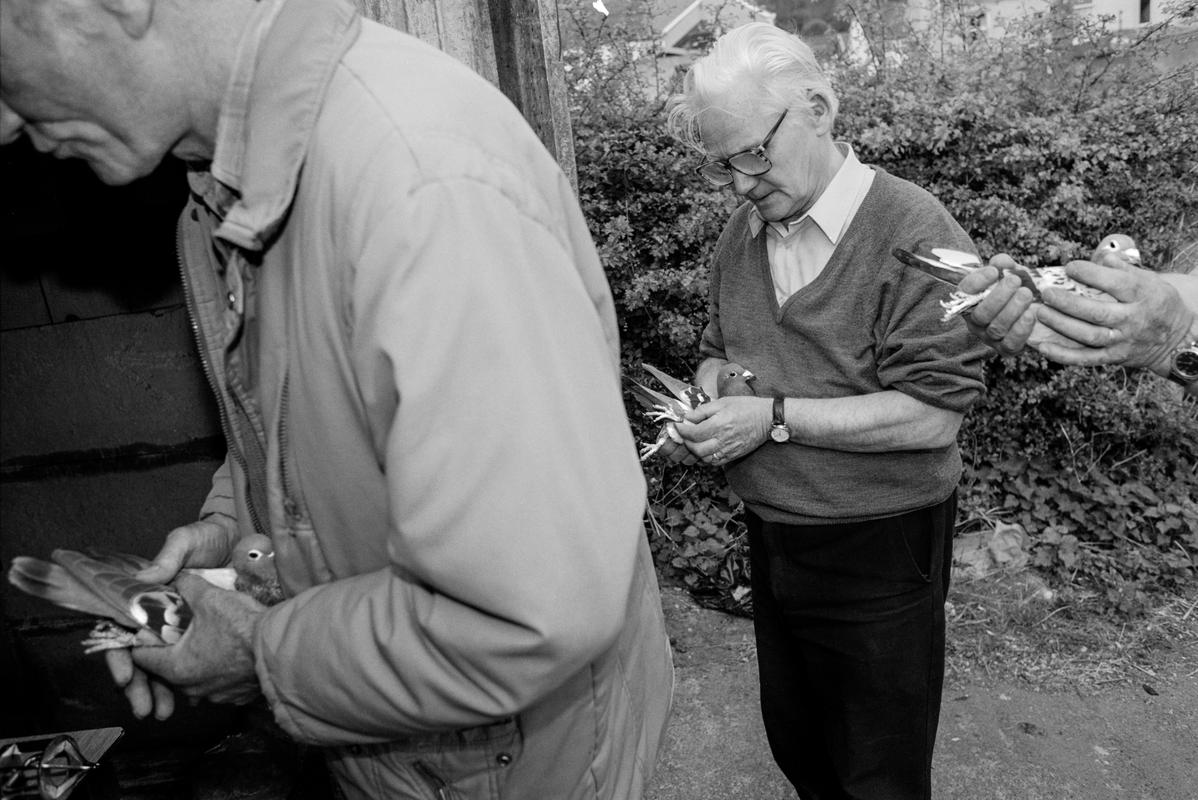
(865, 324)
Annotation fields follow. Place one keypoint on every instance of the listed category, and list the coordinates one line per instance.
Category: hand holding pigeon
(685, 397)
(954, 266)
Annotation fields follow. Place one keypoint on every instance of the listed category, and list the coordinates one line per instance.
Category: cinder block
(21, 302)
(102, 383)
(126, 511)
(68, 302)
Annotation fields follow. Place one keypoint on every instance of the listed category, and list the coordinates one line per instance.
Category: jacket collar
(285, 61)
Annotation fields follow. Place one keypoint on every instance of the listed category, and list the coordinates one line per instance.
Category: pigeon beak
(749, 376)
(1133, 255)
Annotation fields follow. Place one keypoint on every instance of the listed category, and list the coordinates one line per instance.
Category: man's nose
(11, 124)
(743, 184)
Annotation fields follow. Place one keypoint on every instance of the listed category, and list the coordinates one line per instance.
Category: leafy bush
(1041, 142)
(1098, 465)
(1038, 150)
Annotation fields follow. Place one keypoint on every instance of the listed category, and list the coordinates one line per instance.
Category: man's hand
(727, 428)
(1005, 317)
(202, 544)
(206, 543)
(678, 453)
(1008, 318)
(1148, 319)
(213, 661)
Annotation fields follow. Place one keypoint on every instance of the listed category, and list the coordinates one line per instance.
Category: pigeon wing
(943, 271)
(655, 401)
(154, 606)
(686, 392)
(54, 583)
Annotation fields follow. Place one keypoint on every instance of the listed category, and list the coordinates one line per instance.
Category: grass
(1011, 626)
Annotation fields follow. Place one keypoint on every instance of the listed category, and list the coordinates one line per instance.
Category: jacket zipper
(433, 780)
(202, 350)
(290, 506)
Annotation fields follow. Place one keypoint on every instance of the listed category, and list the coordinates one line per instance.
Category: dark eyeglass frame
(758, 152)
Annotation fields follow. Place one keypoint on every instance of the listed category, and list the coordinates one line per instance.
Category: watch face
(779, 433)
(1185, 365)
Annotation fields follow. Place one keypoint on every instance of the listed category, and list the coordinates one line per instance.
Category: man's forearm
(872, 423)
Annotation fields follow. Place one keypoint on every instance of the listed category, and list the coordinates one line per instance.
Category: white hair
(757, 57)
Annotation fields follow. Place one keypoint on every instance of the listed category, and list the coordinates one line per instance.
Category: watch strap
(779, 412)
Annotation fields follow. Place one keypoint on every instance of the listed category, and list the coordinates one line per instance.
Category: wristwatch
(778, 430)
(1183, 364)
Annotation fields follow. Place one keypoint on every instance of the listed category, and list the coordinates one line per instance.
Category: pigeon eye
(254, 555)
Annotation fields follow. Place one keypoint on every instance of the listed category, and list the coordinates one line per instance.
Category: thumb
(165, 567)
(1003, 261)
(1114, 260)
(177, 551)
(700, 413)
(191, 586)
(983, 277)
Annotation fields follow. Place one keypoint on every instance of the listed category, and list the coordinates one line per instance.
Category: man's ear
(821, 112)
(134, 16)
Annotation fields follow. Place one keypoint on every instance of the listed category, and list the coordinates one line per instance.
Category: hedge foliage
(1040, 142)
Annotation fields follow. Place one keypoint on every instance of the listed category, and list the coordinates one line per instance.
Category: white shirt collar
(831, 211)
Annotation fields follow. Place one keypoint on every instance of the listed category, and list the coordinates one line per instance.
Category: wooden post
(512, 43)
(528, 53)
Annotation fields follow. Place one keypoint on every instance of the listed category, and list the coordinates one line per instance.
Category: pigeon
(103, 584)
(662, 408)
(733, 380)
(254, 565)
(1116, 249)
(950, 266)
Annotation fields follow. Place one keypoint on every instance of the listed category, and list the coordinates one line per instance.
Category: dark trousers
(850, 647)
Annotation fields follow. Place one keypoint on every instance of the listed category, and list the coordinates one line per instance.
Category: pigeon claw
(108, 636)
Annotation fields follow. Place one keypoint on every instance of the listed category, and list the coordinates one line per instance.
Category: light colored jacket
(414, 347)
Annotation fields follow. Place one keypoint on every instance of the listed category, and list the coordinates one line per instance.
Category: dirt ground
(1042, 702)
(1036, 715)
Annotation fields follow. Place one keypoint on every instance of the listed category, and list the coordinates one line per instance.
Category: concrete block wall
(108, 434)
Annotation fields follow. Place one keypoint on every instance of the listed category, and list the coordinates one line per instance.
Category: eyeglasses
(50, 773)
(747, 162)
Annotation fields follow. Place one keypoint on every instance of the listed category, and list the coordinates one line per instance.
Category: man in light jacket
(413, 345)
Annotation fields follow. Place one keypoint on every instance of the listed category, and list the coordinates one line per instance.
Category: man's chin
(778, 209)
(770, 209)
(118, 174)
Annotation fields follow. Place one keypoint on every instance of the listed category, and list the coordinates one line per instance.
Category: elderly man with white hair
(847, 458)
